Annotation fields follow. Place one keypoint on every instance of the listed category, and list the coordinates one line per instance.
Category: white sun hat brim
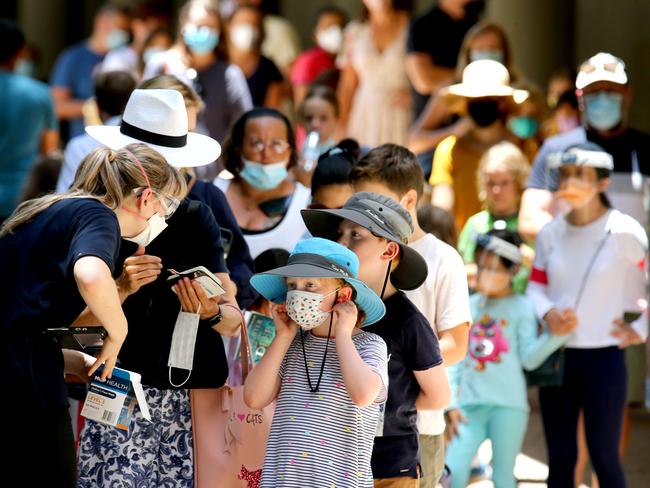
(199, 150)
(481, 90)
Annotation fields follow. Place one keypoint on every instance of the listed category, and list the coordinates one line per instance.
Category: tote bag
(229, 438)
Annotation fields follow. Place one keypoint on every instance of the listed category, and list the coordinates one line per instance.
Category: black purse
(551, 371)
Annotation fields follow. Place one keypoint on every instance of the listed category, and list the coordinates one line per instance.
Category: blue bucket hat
(320, 258)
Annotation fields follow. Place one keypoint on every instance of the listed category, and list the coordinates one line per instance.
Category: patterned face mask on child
(304, 308)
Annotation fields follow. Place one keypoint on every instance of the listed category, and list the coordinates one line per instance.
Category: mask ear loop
(304, 353)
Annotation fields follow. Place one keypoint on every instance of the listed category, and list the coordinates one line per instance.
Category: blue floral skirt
(150, 454)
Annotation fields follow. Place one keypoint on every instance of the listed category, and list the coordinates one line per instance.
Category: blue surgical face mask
(264, 176)
(151, 52)
(200, 40)
(603, 109)
(117, 38)
(491, 54)
(523, 127)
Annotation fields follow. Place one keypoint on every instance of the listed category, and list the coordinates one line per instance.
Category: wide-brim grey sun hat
(382, 216)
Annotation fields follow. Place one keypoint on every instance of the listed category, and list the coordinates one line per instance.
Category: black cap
(382, 216)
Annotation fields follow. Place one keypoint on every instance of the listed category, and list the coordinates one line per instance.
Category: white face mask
(304, 308)
(155, 225)
(330, 39)
(181, 351)
(244, 36)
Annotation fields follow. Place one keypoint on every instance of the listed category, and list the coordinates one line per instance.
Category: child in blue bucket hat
(328, 375)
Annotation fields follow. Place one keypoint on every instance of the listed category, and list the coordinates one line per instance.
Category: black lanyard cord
(383, 288)
(304, 353)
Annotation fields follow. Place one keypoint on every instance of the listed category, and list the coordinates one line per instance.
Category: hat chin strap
(383, 288)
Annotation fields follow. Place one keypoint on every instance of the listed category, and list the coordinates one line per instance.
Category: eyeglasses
(278, 146)
(168, 203)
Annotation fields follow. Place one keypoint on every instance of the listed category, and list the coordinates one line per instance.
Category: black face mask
(484, 112)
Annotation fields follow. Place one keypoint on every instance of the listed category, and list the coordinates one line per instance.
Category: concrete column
(540, 32)
(44, 25)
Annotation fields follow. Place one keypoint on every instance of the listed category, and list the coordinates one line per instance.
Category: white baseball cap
(601, 67)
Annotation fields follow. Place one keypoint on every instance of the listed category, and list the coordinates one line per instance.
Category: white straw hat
(485, 78)
(158, 118)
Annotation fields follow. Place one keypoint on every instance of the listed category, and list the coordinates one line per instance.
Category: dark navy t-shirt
(412, 346)
(435, 33)
(239, 260)
(40, 292)
(260, 80)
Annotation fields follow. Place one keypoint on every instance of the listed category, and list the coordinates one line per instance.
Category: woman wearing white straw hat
(484, 95)
(170, 361)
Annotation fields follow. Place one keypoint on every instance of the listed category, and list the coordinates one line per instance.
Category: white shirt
(616, 282)
(444, 300)
(286, 233)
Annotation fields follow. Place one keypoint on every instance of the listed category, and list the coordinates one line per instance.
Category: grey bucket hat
(382, 216)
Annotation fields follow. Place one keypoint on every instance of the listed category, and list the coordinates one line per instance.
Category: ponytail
(604, 199)
(109, 177)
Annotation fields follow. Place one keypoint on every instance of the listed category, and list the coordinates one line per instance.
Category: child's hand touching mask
(284, 326)
(345, 317)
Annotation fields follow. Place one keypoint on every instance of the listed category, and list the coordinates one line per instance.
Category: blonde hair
(506, 156)
(170, 82)
(110, 177)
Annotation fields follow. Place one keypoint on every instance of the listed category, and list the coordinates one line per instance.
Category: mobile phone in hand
(209, 282)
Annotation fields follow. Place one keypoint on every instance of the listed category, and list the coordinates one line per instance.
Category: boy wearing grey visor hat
(377, 229)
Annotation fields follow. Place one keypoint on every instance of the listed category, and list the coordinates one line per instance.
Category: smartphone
(208, 281)
(629, 317)
(77, 337)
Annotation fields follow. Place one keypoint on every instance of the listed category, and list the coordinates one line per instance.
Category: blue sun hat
(320, 258)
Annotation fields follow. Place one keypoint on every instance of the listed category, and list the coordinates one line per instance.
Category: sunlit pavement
(531, 469)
